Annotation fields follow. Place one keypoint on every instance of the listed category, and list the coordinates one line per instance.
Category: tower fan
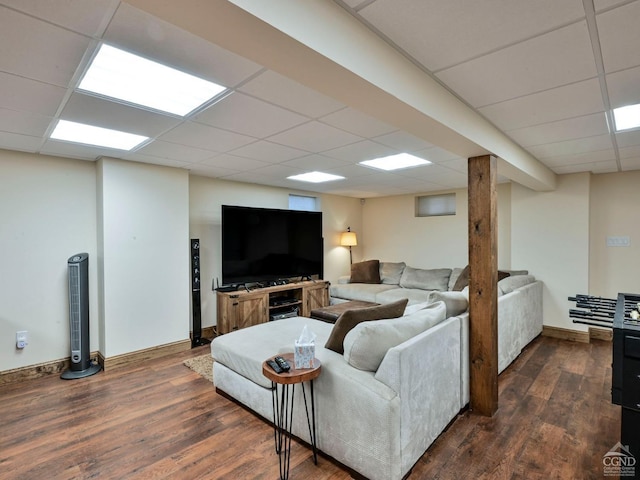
(80, 364)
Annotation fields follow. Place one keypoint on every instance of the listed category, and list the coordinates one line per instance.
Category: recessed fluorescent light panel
(315, 177)
(124, 76)
(627, 117)
(98, 136)
(395, 162)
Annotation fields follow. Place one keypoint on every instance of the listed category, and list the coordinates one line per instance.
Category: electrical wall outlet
(22, 339)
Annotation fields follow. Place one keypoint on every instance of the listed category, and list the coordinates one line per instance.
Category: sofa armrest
(425, 372)
(344, 279)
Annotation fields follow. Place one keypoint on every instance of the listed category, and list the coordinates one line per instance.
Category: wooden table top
(295, 375)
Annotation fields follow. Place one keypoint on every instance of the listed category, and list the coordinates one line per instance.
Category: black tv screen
(264, 245)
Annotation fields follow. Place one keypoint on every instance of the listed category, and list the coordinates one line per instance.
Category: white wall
(615, 198)
(47, 214)
(144, 245)
(550, 238)
(207, 195)
(393, 233)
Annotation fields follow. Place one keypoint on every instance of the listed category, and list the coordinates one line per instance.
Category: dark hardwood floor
(161, 420)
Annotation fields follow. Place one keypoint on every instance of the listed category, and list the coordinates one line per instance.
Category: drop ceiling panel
(206, 137)
(268, 152)
(630, 163)
(606, 4)
(141, 33)
(21, 93)
(75, 150)
(630, 152)
(620, 37)
(597, 167)
(628, 139)
(357, 123)
(88, 18)
(104, 113)
(402, 141)
(548, 61)
(574, 100)
(581, 158)
(175, 151)
(455, 31)
(572, 128)
(24, 123)
(436, 155)
(250, 116)
(210, 171)
(583, 145)
(22, 143)
(232, 162)
(282, 91)
(47, 53)
(312, 163)
(314, 137)
(624, 87)
(363, 150)
(167, 162)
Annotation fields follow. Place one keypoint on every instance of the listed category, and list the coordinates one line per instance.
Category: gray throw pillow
(391, 272)
(351, 318)
(424, 279)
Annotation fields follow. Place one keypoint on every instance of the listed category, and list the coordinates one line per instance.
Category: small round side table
(283, 407)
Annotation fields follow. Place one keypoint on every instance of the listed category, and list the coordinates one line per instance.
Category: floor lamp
(349, 239)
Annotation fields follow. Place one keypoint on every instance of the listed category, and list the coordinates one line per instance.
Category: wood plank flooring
(160, 420)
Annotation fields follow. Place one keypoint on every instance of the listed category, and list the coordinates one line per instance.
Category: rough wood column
(483, 288)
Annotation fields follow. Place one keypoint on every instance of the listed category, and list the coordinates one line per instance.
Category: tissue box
(303, 354)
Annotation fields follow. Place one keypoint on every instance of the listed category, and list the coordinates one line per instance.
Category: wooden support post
(483, 288)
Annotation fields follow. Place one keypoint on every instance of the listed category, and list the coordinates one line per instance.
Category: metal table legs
(283, 402)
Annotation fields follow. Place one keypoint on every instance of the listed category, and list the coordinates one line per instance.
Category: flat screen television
(267, 245)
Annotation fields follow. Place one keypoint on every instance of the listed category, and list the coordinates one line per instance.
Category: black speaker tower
(197, 339)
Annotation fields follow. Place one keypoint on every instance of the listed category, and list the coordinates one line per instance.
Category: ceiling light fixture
(97, 136)
(124, 76)
(395, 162)
(315, 177)
(627, 117)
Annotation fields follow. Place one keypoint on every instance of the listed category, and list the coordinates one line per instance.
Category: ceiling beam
(319, 44)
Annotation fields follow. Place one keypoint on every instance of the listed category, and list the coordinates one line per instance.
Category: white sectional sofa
(379, 417)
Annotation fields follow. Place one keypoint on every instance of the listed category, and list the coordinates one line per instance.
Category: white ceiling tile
(174, 151)
(630, 152)
(597, 167)
(628, 139)
(630, 163)
(359, 151)
(620, 37)
(315, 162)
(22, 143)
(581, 158)
(287, 93)
(403, 142)
(75, 150)
(314, 137)
(29, 95)
(47, 53)
(206, 137)
(569, 129)
(268, 152)
(577, 99)
(624, 87)
(605, 4)
(24, 123)
(436, 154)
(583, 145)
(88, 18)
(232, 162)
(357, 123)
(250, 116)
(209, 171)
(104, 113)
(352, 171)
(558, 58)
(145, 35)
(143, 158)
(440, 34)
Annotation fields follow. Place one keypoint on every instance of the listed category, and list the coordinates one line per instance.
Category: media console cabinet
(242, 308)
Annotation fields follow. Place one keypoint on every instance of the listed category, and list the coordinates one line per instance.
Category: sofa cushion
(414, 295)
(455, 273)
(390, 272)
(456, 302)
(351, 318)
(365, 292)
(367, 343)
(432, 279)
(513, 282)
(366, 272)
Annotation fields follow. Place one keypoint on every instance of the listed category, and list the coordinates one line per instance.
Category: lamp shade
(348, 239)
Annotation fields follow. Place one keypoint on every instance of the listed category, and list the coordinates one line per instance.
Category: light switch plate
(623, 241)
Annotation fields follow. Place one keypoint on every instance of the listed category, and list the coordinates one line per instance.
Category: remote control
(282, 363)
(276, 368)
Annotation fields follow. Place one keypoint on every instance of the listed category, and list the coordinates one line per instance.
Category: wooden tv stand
(242, 308)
